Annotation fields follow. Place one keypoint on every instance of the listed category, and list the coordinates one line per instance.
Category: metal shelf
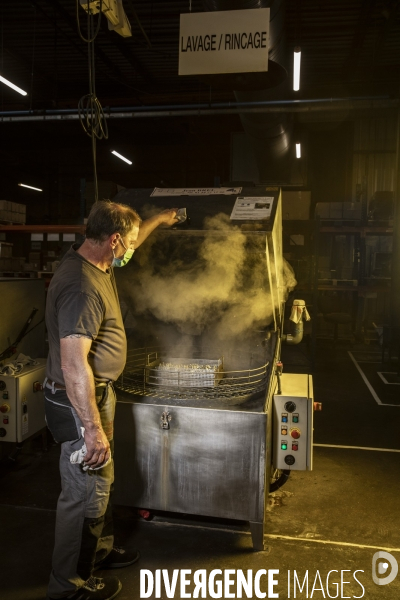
(44, 228)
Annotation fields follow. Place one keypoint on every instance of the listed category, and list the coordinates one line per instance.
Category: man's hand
(168, 216)
(98, 448)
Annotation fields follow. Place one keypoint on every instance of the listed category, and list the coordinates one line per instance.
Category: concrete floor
(333, 518)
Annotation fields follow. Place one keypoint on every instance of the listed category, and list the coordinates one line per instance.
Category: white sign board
(195, 191)
(252, 208)
(229, 41)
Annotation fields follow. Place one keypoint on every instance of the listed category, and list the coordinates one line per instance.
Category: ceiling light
(296, 69)
(121, 157)
(298, 150)
(11, 85)
(30, 187)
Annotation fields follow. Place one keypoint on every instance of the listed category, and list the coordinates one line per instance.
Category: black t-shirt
(83, 299)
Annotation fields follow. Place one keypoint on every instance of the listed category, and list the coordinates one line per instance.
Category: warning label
(252, 209)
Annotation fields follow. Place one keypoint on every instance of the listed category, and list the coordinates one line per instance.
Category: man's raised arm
(166, 217)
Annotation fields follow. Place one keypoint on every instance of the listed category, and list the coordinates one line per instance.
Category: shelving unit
(363, 288)
(45, 229)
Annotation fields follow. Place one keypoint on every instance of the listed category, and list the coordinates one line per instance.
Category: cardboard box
(5, 249)
(352, 210)
(18, 263)
(322, 210)
(5, 263)
(338, 211)
(296, 206)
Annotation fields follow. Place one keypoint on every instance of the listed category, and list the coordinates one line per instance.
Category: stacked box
(5, 263)
(12, 212)
(296, 205)
(5, 249)
(18, 263)
(338, 211)
(35, 260)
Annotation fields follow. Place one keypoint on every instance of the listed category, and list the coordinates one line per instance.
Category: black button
(290, 460)
(290, 406)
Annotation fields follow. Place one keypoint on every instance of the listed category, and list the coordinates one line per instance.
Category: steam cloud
(221, 292)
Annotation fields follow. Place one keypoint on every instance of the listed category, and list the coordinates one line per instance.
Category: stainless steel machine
(22, 331)
(21, 403)
(196, 431)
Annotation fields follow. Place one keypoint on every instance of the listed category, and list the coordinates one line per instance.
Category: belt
(53, 386)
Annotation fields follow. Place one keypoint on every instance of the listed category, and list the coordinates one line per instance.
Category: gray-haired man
(87, 352)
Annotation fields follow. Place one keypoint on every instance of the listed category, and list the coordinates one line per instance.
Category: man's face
(127, 242)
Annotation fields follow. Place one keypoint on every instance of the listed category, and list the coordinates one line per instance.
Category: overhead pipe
(205, 109)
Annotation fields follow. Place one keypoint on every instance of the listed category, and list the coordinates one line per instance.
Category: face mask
(121, 262)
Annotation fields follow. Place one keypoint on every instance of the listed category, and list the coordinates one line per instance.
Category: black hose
(278, 483)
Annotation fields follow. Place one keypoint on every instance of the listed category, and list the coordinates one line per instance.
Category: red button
(295, 447)
(295, 433)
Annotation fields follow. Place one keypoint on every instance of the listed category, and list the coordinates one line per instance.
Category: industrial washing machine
(197, 430)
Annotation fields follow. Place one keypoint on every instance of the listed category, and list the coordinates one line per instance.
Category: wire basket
(187, 378)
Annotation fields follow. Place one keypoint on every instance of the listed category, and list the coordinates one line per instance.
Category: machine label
(229, 41)
(252, 208)
(223, 191)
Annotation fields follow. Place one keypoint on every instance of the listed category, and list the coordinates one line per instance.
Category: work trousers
(84, 528)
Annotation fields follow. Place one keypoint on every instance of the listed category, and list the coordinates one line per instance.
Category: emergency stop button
(5, 408)
(295, 433)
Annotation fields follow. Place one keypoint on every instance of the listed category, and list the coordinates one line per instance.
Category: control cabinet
(22, 403)
(293, 423)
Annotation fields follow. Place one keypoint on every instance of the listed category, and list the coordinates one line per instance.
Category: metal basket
(142, 376)
(186, 372)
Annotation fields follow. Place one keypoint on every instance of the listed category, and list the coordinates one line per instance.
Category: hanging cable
(91, 114)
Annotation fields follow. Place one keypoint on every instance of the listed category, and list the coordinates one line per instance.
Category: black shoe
(96, 588)
(118, 558)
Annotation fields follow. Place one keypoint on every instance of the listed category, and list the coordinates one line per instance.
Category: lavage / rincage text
(222, 583)
(225, 41)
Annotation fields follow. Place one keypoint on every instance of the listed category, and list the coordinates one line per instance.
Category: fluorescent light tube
(296, 69)
(121, 157)
(298, 150)
(11, 85)
(30, 187)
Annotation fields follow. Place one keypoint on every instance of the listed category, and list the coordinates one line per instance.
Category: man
(87, 352)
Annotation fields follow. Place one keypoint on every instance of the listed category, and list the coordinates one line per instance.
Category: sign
(252, 208)
(196, 191)
(229, 41)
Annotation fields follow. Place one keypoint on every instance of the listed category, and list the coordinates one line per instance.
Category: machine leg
(257, 535)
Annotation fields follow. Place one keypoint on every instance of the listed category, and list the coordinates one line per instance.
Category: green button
(284, 446)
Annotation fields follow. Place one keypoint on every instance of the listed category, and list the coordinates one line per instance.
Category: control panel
(22, 403)
(293, 423)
